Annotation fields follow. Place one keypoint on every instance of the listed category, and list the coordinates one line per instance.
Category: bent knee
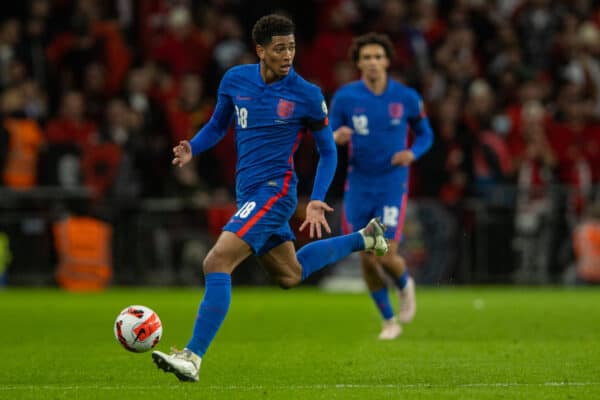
(392, 259)
(369, 261)
(213, 262)
(288, 282)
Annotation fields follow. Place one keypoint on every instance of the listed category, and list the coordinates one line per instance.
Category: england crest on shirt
(285, 108)
(396, 110)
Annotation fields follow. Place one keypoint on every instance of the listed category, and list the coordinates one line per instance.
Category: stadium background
(96, 93)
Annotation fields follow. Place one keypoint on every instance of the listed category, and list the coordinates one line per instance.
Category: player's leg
(227, 253)
(377, 287)
(393, 213)
(395, 265)
(359, 207)
(289, 268)
(282, 265)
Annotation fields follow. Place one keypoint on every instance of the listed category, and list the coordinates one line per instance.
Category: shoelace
(184, 354)
(181, 353)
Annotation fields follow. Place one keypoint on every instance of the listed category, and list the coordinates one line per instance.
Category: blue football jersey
(269, 122)
(380, 125)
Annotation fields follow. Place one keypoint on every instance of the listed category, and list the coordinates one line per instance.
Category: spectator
(24, 141)
(10, 31)
(183, 49)
(491, 158)
(331, 44)
(537, 23)
(586, 242)
(72, 126)
(36, 101)
(90, 40)
(150, 123)
(31, 49)
(572, 136)
(445, 171)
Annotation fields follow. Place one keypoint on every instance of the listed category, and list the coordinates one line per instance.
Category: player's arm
(209, 135)
(327, 162)
(318, 123)
(342, 133)
(315, 210)
(419, 123)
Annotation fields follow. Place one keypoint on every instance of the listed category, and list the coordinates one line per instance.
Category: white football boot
(391, 329)
(408, 302)
(373, 236)
(185, 364)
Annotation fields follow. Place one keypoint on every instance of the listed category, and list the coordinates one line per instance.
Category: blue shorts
(262, 217)
(362, 205)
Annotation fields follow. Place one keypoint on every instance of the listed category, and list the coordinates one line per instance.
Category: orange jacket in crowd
(25, 139)
(586, 238)
(84, 250)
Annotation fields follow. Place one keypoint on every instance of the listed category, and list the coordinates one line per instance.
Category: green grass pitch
(465, 343)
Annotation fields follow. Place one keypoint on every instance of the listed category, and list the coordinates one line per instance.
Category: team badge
(285, 108)
(396, 110)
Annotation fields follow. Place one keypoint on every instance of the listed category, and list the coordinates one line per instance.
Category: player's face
(372, 61)
(278, 55)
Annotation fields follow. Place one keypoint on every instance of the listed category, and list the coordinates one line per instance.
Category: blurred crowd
(95, 93)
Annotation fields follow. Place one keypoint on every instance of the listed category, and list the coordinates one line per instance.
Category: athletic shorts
(262, 218)
(361, 206)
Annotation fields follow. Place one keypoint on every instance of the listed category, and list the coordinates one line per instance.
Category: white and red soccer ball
(138, 328)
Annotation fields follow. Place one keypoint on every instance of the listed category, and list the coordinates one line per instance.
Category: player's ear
(260, 51)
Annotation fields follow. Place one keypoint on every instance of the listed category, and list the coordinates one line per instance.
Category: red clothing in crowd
(572, 147)
(61, 130)
(328, 49)
(183, 55)
(115, 57)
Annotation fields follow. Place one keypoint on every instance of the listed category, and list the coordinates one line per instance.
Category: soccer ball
(138, 328)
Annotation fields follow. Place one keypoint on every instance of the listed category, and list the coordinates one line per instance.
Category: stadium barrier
(506, 235)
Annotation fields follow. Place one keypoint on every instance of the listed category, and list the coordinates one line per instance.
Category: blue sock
(317, 255)
(382, 301)
(402, 280)
(212, 312)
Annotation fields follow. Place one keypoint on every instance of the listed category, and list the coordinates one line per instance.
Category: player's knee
(387, 259)
(288, 282)
(212, 263)
(392, 260)
(369, 262)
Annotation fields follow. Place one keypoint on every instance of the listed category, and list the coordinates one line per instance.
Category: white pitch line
(6, 388)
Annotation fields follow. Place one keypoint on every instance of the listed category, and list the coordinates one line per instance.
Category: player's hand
(182, 153)
(342, 135)
(403, 158)
(315, 218)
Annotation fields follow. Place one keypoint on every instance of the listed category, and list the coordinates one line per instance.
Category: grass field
(465, 343)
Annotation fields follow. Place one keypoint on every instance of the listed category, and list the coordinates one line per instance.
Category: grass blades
(465, 343)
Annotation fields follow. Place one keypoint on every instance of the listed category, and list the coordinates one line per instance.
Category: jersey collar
(278, 83)
(385, 91)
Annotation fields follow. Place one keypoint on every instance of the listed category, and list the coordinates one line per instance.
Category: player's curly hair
(372, 38)
(271, 25)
